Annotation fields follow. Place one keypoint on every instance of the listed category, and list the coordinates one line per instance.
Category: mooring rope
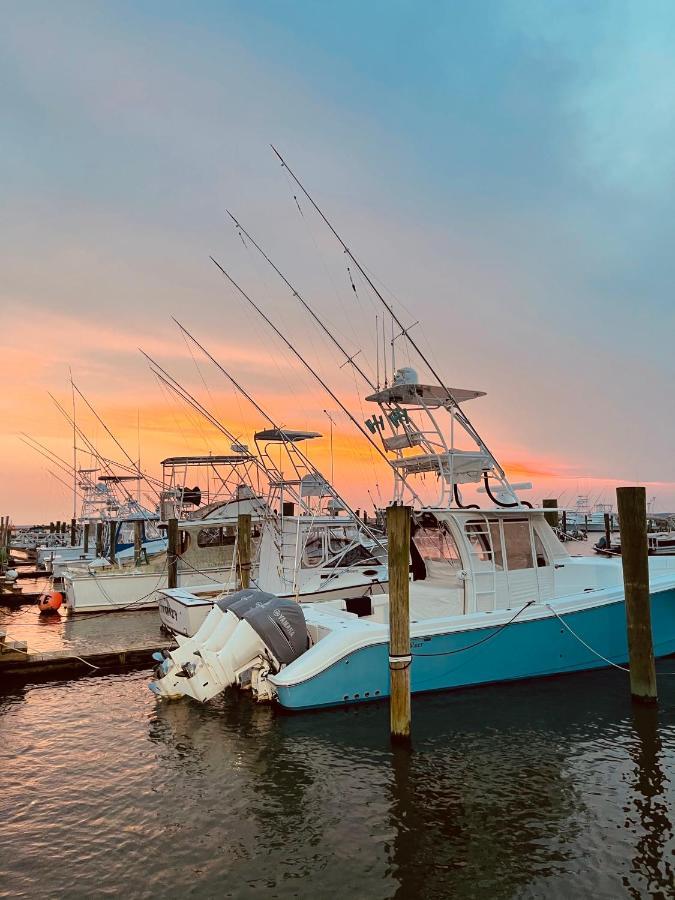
(591, 649)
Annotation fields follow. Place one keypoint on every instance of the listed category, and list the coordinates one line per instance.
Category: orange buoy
(50, 602)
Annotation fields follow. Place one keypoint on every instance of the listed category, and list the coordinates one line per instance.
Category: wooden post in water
(73, 532)
(551, 517)
(85, 537)
(172, 553)
(398, 541)
(564, 521)
(52, 528)
(632, 507)
(99, 539)
(58, 526)
(113, 541)
(244, 550)
(608, 529)
(138, 541)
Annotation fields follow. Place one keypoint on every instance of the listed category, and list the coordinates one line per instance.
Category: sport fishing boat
(312, 549)
(127, 582)
(588, 517)
(494, 597)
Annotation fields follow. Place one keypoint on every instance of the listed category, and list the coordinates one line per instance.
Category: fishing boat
(586, 516)
(129, 580)
(311, 546)
(495, 596)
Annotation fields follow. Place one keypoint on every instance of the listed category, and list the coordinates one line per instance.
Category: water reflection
(649, 817)
(516, 790)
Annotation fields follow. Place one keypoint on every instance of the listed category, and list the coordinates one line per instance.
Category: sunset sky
(506, 169)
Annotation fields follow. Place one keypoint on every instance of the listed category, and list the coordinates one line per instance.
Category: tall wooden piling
(58, 526)
(398, 542)
(632, 505)
(564, 521)
(172, 552)
(73, 532)
(52, 528)
(552, 516)
(85, 537)
(138, 541)
(112, 528)
(608, 529)
(99, 539)
(244, 550)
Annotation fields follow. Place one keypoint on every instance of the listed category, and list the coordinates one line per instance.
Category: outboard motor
(213, 633)
(257, 634)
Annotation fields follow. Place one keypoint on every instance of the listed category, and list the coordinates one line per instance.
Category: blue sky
(507, 167)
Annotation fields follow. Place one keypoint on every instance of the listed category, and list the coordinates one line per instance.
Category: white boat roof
(414, 394)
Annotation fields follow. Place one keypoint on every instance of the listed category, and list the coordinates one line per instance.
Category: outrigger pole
(460, 414)
(312, 372)
(185, 395)
(296, 294)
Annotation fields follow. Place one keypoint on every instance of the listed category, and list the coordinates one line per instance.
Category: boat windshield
(437, 548)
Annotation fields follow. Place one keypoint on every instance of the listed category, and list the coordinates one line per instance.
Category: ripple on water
(520, 790)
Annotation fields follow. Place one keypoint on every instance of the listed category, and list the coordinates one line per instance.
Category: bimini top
(414, 394)
(205, 460)
(285, 435)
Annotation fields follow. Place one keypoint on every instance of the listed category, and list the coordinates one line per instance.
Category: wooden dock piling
(73, 532)
(398, 539)
(552, 516)
(85, 537)
(632, 508)
(138, 541)
(608, 529)
(172, 552)
(244, 550)
(113, 542)
(564, 521)
(99, 539)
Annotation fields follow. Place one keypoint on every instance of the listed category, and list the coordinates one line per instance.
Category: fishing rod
(91, 447)
(306, 461)
(65, 484)
(48, 454)
(108, 431)
(348, 359)
(460, 414)
(312, 372)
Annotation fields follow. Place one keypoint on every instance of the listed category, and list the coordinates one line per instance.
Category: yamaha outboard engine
(257, 634)
(213, 633)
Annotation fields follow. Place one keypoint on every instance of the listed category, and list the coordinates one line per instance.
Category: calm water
(552, 788)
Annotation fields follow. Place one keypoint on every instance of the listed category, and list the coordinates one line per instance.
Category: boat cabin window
(485, 540)
(313, 554)
(152, 532)
(438, 549)
(539, 552)
(518, 544)
(223, 536)
(338, 539)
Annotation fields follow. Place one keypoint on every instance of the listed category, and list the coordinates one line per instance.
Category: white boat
(587, 517)
(312, 549)
(495, 596)
(207, 553)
